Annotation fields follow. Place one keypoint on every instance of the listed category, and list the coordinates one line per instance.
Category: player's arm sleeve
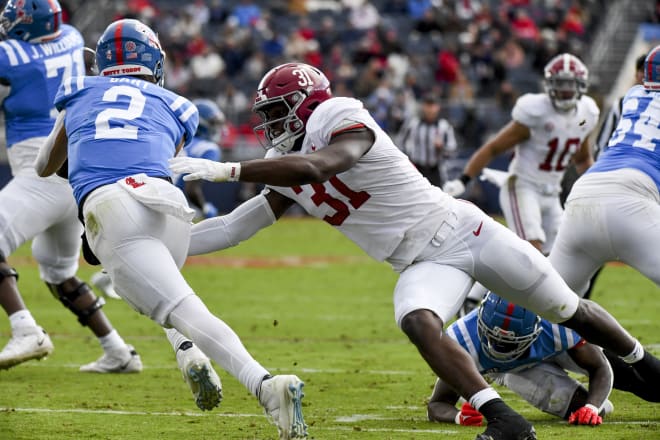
(229, 230)
(54, 151)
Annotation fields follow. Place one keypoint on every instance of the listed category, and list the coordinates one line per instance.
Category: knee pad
(69, 297)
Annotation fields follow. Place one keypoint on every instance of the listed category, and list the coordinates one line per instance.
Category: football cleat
(200, 376)
(281, 396)
(509, 427)
(26, 344)
(119, 361)
(101, 280)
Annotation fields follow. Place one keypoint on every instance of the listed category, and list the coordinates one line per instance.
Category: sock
(112, 342)
(176, 338)
(21, 319)
(636, 355)
(482, 397)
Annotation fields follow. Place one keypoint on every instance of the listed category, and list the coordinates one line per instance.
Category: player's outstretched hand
(195, 169)
(469, 416)
(454, 188)
(587, 415)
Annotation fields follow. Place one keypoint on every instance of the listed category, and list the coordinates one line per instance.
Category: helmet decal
(30, 20)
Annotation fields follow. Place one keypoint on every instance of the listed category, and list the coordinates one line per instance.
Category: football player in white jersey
(331, 157)
(546, 132)
(117, 131)
(612, 210)
(37, 53)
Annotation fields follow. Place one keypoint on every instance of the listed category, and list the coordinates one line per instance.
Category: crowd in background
(476, 55)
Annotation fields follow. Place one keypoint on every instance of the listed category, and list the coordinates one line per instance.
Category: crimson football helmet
(652, 70)
(506, 330)
(286, 97)
(565, 81)
(30, 20)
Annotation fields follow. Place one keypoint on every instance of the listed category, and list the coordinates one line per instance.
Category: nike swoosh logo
(477, 231)
(41, 341)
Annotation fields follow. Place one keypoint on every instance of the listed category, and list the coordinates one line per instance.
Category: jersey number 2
(355, 199)
(134, 110)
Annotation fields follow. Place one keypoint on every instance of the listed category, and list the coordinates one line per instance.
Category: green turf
(330, 322)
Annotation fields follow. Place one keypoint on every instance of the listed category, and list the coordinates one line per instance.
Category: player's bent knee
(68, 293)
(420, 322)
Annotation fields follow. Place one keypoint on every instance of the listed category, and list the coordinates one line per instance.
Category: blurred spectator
(418, 8)
(428, 140)
(247, 13)
(362, 14)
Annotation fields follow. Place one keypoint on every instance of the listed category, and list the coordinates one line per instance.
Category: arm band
(465, 179)
(229, 230)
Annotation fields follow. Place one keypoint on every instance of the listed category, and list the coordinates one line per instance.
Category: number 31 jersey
(119, 126)
(382, 203)
(554, 137)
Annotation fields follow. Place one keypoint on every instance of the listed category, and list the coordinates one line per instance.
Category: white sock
(21, 319)
(218, 341)
(636, 355)
(484, 396)
(112, 342)
(175, 338)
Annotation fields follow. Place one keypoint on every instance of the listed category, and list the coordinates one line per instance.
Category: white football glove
(195, 169)
(454, 187)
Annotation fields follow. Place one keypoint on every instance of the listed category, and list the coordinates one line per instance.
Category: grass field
(304, 300)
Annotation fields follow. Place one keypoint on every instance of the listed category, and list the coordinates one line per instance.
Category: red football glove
(587, 415)
(469, 416)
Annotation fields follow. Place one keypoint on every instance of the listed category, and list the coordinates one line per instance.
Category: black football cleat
(508, 427)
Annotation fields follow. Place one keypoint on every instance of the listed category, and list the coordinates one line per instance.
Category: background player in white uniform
(547, 131)
(37, 54)
(330, 156)
(121, 128)
(613, 211)
(532, 357)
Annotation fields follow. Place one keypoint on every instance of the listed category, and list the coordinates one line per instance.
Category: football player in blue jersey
(38, 53)
(205, 145)
(612, 211)
(117, 132)
(531, 356)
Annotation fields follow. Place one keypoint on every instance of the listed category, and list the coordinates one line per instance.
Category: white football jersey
(382, 203)
(555, 137)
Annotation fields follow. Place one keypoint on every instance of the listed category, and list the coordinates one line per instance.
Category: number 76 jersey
(382, 203)
(554, 137)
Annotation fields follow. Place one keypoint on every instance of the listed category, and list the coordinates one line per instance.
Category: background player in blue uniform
(505, 338)
(121, 129)
(38, 54)
(205, 145)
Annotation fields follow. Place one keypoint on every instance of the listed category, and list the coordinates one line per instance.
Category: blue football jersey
(201, 149)
(635, 142)
(553, 340)
(119, 126)
(35, 72)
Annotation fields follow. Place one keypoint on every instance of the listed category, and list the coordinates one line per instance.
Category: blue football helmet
(506, 330)
(30, 20)
(652, 70)
(130, 47)
(211, 120)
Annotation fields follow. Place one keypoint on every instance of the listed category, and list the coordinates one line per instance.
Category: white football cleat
(120, 361)
(200, 376)
(281, 396)
(101, 280)
(25, 344)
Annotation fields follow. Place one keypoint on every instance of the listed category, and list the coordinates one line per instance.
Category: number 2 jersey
(554, 137)
(382, 203)
(35, 72)
(119, 126)
(635, 142)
